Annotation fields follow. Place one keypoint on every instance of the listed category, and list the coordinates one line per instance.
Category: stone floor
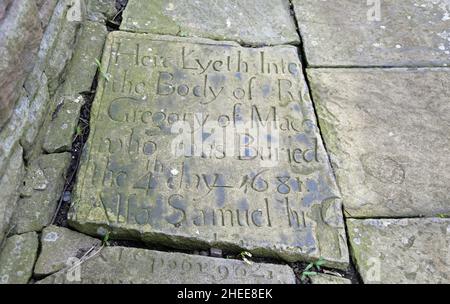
(262, 141)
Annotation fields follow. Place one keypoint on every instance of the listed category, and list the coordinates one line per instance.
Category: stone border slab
(120, 265)
(254, 22)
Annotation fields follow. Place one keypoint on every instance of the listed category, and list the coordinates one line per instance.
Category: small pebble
(216, 252)
(66, 196)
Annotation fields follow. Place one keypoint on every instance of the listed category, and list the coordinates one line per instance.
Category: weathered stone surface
(46, 8)
(56, 47)
(262, 22)
(387, 132)
(101, 10)
(38, 110)
(3, 6)
(59, 40)
(63, 124)
(82, 67)
(58, 245)
(10, 182)
(401, 250)
(17, 258)
(132, 182)
(342, 33)
(20, 34)
(322, 278)
(12, 132)
(48, 43)
(42, 187)
(140, 266)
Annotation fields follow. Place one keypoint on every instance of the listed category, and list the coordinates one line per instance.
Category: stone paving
(289, 132)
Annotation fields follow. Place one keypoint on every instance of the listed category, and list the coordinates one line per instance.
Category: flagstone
(255, 22)
(405, 251)
(136, 182)
(120, 265)
(17, 258)
(387, 133)
(380, 33)
(41, 189)
(58, 246)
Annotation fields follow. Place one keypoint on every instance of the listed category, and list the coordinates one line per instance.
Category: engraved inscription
(205, 141)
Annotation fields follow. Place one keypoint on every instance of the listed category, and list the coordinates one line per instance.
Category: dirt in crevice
(82, 133)
(351, 273)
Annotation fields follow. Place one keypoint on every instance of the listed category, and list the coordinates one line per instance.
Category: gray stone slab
(101, 10)
(387, 132)
(401, 251)
(322, 279)
(63, 124)
(59, 41)
(135, 181)
(10, 183)
(39, 107)
(12, 132)
(255, 22)
(120, 265)
(58, 246)
(17, 258)
(41, 190)
(348, 33)
(20, 33)
(80, 71)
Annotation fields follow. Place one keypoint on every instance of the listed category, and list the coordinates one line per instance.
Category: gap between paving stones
(356, 277)
(60, 217)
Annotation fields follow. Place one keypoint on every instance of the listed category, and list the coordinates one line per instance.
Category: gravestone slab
(380, 33)
(156, 167)
(401, 251)
(387, 133)
(254, 22)
(120, 265)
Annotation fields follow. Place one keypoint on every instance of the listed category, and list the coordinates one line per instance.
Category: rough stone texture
(82, 67)
(130, 182)
(12, 132)
(58, 245)
(139, 266)
(387, 131)
(46, 8)
(17, 258)
(20, 34)
(60, 53)
(409, 33)
(321, 278)
(56, 47)
(63, 124)
(10, 182)
(42, 188)
(255, 22)
(48, 47)
(401, 250)
(38, 110)
(101, 10)
(3, 6)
